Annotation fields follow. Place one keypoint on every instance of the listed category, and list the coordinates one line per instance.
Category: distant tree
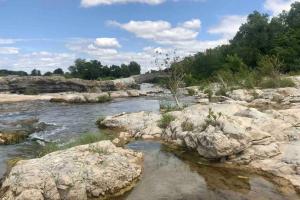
(48, 74)
(58, 71)
(252, 40)
(4, 72)
(134, 68)
(35, 72)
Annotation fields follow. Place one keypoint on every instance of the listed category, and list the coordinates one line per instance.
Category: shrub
(191, 91)
(99, 121)
(212, 119)
(277, 83)
(165, 121)
(168, 108)
(187, 126)
(209, 93)
(221, 92)
(104, 98)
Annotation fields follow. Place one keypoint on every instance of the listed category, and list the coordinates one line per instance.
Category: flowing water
(166, 175)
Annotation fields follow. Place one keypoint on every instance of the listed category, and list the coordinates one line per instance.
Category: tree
(48, 74)
(176, 81)
(35, 72)
(252, 40)
(58, 71)
(134, 68)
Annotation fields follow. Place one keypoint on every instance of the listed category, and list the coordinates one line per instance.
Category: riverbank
(254, 130)
(258, 130)
(76, 97)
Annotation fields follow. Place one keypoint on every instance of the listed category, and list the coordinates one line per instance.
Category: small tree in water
(177, 74)
(176, 81)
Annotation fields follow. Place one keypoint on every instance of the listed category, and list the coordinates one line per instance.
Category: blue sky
(47, 34)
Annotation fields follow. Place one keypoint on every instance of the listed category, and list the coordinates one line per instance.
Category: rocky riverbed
(244, 132)
(241, 130)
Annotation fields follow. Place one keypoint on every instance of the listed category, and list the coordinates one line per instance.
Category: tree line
(261, 47)
(89, 70)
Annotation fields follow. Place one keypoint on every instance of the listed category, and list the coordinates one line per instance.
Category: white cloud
(192, 24)
(228, 26)
(6, 41)
(44, 61)
(91, 3)
(160, 31)
(107, 43)
(9, 50)
(277, 6)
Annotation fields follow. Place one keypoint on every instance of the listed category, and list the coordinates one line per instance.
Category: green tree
(58, 71)
(35, 72)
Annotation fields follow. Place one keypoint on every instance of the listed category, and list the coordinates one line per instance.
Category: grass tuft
(165, 121)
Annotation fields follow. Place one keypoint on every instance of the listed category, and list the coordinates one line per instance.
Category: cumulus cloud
(160, 31)
(9, 50)
(91, 3)
(277, 6)
(44, 61)
(228, 26)
(107, 43)
(192, 24)
(182, 38)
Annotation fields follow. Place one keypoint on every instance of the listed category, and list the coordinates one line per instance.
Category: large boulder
(96, 170)
(137, 124)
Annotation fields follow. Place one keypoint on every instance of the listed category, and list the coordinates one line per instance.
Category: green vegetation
(4, 72)
(260, 52)
(191, 92)
(168, 108)
(212, 119)
(165, 121)
(87, 138)
(104, 98)
(276, 83)
(187, 126)
(89, 70)
(93, 70)
(98, 122)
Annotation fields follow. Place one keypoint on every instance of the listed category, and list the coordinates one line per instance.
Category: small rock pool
(167, 175)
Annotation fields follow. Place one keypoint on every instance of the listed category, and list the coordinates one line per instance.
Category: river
(166, 174)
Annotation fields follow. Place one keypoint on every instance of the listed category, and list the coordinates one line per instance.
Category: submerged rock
(96, 170)
(15, 132)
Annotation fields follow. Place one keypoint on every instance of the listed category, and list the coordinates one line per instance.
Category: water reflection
(168, 177)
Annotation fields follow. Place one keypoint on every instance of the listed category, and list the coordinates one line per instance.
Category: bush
(165, 121)
(104, 98)
(191, 92)
(209, 93)
(212, 119)
(277, 83)
(222, 91)
(99, 121)
(187, 126)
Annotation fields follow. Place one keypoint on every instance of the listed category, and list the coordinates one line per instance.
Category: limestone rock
(89, 171)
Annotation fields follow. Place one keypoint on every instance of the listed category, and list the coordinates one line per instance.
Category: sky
(47, 34)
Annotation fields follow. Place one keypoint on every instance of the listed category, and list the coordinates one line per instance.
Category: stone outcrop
(137, 124)
(230, 131)
(95, 97)
(55, 84)
(98, 170)
(15, 132)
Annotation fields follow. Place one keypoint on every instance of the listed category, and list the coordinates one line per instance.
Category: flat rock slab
(96, 170)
